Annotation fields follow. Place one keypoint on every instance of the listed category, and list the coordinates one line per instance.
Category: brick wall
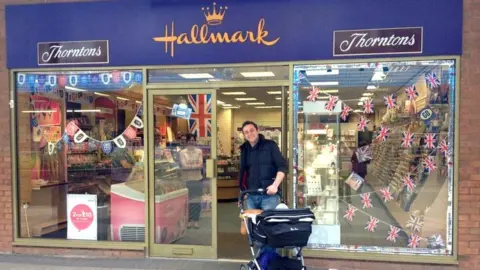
(469, 162)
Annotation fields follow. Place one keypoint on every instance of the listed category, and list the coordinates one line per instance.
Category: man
(261, 166)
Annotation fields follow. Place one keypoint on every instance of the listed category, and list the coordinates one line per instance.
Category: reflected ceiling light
(74, 89)
(101, 94)
(274, 92)
(196, 76)
(220, 102)
(255, 103)
(257, 74)
(360, 103)
(323, 97)
(246, 99)
(268, 107)
(320, 72)
(367, 94)
(278, 98)
(234, 93)
(121, 98)
(329, 91)
(324, 83)
(358, 111)
(226, 105)
(371, 87)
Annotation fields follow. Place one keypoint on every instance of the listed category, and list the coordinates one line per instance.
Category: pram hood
(286, 215)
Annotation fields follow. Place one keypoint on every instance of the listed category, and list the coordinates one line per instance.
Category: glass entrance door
(182, 178)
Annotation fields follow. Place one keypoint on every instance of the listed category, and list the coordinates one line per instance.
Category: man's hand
(272, 189)
(244, 199)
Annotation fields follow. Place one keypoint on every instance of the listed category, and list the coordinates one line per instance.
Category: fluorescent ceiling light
(364, 98)
(360, 103)
(257, 74)
(255, 103)
(319, 72)
(246, 99)
(226, 105)
(274, 92)
(367, 94)
(324, 83)
(74, 89)
(371, 87)
(358, 111)
(220, 102)
(122, 98)
(329, 91)
(196, 76)
(278, 98)
(84, 111)
(40, 111)
(378, 76)
(323, 97)
(101, 94)
(268, 107)
(234, 93)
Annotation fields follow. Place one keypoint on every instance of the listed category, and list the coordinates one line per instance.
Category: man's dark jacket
(259, 164)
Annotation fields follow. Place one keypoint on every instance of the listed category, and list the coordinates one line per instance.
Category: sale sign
(82, 216)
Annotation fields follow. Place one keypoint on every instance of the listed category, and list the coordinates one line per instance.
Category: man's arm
(281, 165)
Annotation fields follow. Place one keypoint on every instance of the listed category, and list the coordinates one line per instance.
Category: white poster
(82, 217)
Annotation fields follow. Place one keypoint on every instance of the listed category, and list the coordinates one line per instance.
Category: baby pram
(287, 229)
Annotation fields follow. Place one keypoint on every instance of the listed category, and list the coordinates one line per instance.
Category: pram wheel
(249, 266)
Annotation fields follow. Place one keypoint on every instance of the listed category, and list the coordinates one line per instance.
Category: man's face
(250, 133)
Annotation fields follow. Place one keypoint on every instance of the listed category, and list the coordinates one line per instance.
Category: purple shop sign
(378, 41)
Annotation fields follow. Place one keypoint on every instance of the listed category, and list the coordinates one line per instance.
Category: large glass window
(80, 155)
(373, 152)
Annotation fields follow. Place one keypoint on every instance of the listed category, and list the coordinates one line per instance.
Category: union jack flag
(393, 234)
(432, 80)
(372, 224)
(390, 101)
(429, 164)
(386, 194)
(411, 92)
(332, 102)
(362, 124)
(430, 140)
(415, 222)
(408, 182)
(414, 241)
(383, 134)
(200, 122)
(407, 139)
(368, 105)
(345, 112)
(350, 213)
(443, 147)
(301, 76)
(313, 94)
(367, 203)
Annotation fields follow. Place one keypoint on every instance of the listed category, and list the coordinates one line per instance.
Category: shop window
(218, 74)
(374, 152)
(79, 145)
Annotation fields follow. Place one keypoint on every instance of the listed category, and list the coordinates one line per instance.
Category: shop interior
(102, 155)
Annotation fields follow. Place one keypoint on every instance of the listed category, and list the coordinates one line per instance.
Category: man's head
(250, 131)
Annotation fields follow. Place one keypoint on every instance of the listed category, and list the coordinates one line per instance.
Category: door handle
(211, 168)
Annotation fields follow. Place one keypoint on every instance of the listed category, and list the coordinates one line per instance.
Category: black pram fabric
(283, 228)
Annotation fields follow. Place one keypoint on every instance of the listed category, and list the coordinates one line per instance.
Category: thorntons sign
(73, 52)
(378, 41)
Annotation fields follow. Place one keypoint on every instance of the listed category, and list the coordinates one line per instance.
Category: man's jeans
(264, 202)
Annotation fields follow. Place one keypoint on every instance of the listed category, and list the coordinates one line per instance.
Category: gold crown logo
(212, 16)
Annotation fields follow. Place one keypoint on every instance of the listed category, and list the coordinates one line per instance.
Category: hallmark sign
(73, 52)
(378, 41)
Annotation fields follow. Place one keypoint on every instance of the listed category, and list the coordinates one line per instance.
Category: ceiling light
(74, 89)
(367, 94)
(255, 103)
(246, 99)
(329, 91)
(196, 76)
(84, 111)
(371, 87)
(378, 76)
(121, 98)
(101, 94)
(234, 93)
(319, 72)
(257, 74)
(278, 98)
(274, 92)
(220, 102)
(226, 105)
(323, 97)
(40, 111)
(139, 102)
(360, 103)
(324, 83)
(364, 98)
(268, 107)
(358, 111)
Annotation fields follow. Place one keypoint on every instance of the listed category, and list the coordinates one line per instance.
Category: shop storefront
(105, 95)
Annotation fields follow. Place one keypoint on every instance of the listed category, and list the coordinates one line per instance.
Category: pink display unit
(128, 215)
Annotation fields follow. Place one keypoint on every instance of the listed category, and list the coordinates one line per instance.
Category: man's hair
(248, 122)
(190, 136)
